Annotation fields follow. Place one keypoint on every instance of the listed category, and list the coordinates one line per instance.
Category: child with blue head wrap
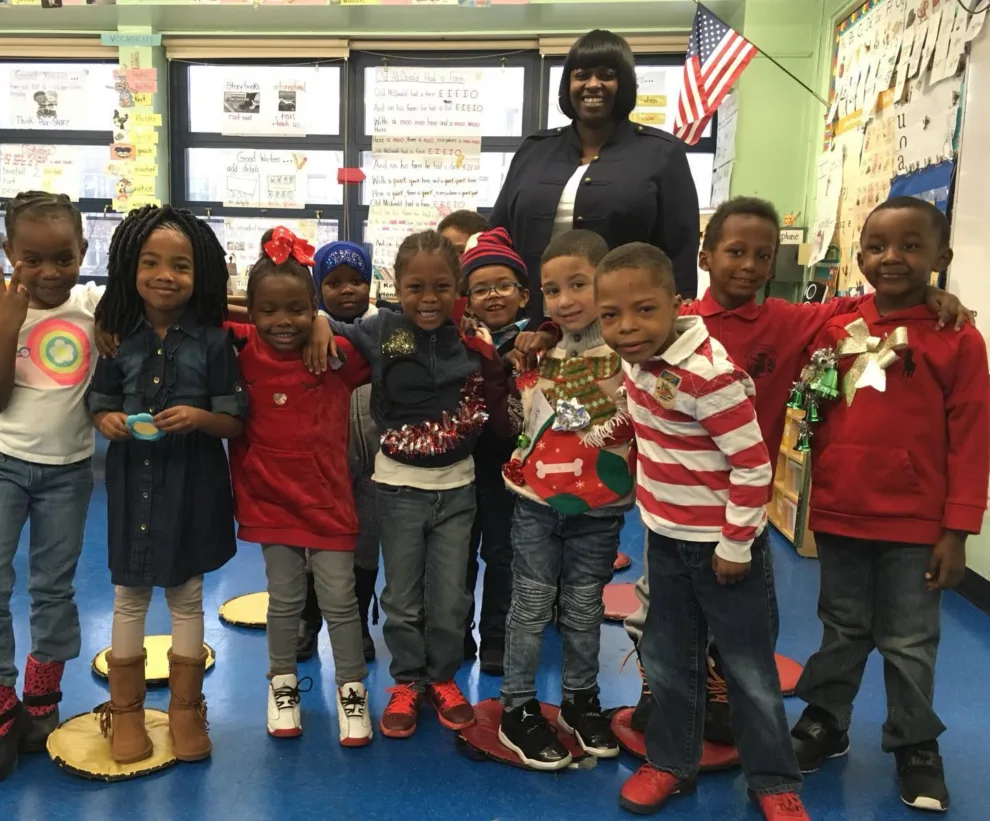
(342, 272)
(343, 280)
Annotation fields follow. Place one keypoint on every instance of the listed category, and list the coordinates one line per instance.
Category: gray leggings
(333, 573)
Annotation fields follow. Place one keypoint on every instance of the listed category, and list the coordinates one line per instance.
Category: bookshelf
(788, 508)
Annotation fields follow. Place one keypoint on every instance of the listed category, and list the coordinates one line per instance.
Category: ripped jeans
(576, 552)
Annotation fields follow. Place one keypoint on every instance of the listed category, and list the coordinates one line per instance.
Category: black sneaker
(641, 715)
(718, 721)
(10, 741)
(583, 719)
(816, 738)
(529, 735)
(921, 777)
(492, 657)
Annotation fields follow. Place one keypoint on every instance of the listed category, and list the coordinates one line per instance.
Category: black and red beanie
(493, 248)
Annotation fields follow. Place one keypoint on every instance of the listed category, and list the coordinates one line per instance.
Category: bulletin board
(891, 128)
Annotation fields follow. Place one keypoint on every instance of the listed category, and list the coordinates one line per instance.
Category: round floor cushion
(620, 601)
(249, 611)
(78, 746)
(622, 562)
(714, 757)
(156, 668)
(790, 671)
(480, 740)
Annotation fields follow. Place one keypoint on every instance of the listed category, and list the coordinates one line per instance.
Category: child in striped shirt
(703, 477)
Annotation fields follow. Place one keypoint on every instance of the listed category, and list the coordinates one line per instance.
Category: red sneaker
(453, 710)
(648, 788)
(399, 718)
(783, 807)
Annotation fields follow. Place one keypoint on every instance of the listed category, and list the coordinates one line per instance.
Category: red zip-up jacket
(292, 483)
(907, 463)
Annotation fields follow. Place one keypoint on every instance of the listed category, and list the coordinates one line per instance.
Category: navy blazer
(638, 189)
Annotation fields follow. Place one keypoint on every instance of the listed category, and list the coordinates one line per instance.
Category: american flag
(716, 57)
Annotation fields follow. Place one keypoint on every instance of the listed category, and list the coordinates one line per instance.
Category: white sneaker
(353, 715)
(284, 719)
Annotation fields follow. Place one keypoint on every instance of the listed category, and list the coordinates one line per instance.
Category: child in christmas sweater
(899, 479)
(572, 478)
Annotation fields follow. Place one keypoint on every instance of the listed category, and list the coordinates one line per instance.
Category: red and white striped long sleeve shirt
(703, 472)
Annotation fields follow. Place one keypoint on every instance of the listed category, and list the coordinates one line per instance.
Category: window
(242, 132)
(660, 79)
(510, 88)
(55, 133)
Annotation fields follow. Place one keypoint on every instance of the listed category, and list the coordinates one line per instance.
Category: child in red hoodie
(292, 486)
(899, 479)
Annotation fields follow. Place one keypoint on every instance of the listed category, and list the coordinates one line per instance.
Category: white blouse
(564, 218)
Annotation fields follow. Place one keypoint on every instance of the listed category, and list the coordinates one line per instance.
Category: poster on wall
(256, 105)
(39, 168)
(829, 190)
(265, 179)
(425, 154)
(47, 99)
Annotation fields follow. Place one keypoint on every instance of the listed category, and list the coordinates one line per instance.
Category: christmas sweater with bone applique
(574, 454)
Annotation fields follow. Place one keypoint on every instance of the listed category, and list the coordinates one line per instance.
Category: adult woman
(626, 182)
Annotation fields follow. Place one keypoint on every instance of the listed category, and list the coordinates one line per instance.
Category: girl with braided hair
(169, 503)
(46, 445)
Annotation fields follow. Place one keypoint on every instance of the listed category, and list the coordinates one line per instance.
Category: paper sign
(137, 80)
(432, 102)
(118, 39)
(265, 179)
(39, 167)
(242, 237)
(389, 225)
(721, 184)
(143, 136)
(145, 153)
(145, 118)
(728, 118)
(828, 193)
(651, 101)
(47, 99)
(655, 118)
(257, 104)
(143, 100)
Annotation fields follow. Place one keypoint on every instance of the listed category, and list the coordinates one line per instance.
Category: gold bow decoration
(873, 356)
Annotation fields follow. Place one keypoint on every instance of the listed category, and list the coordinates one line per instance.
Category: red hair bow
(284, 243)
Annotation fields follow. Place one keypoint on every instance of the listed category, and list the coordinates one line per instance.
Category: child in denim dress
(169, 505)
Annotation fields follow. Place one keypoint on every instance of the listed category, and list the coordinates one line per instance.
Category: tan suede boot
(123, 716)
(187, 708)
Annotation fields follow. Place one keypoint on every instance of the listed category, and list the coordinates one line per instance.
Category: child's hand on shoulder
(180, 419)
(13, 301)
(321, 340)
(948, 562)
(113, 425)
(106, 343)
(949, 309)
(729, 572)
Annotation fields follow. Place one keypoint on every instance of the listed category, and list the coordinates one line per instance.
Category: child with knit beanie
(573, 481)
(497, 291)
(343, 282)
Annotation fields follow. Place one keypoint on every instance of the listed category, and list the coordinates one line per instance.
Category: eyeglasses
(484, 291)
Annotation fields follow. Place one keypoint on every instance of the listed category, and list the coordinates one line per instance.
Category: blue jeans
(686, 601)
(56, 499)
(550, 549)
(873, 595)
(425, 537)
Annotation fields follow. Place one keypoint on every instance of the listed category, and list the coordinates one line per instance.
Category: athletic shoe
(353, 715)
(921, 777)
(816, 738)
(646, 790)
(453, 710)
(530, 736)
(284, 716)
(783, 807)
(401, 712)
(582, 717)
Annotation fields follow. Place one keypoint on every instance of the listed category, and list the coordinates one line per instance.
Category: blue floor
(255, 778)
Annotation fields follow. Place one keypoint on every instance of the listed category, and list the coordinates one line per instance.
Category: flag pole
(771, 59)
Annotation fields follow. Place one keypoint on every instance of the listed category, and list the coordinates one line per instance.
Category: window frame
(359, 61)
(45, 136)
(182, 138)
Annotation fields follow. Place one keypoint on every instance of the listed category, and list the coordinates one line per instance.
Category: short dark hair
(601, 48)
(641, 256)
(35, 204)
(265, 267)
(738, 207)
(427, 242)
(467, 222)
(940, 223)
(579, 243)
